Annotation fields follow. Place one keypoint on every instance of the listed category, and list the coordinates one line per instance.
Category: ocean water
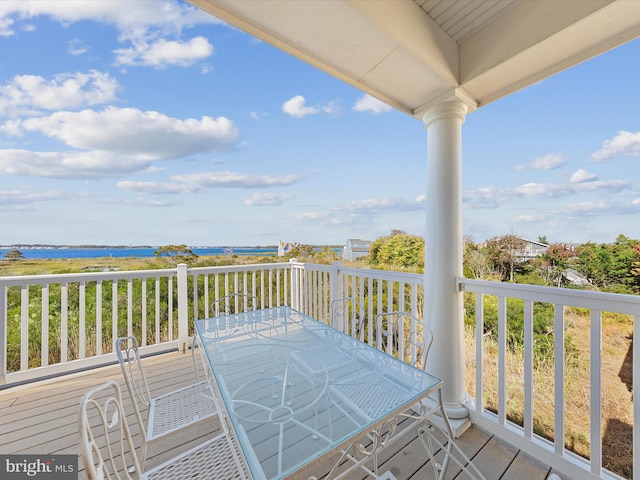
(133, 252)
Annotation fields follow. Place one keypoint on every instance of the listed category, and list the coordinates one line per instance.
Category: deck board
(42, 418)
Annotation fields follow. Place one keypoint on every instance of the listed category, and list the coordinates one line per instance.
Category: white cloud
(296, 107)
(32, 93)
(592, 209)
(542, 190)
(529, 218)
(332, 108)
(610, 186)
(581, 181)
(625, 144)
(258, 116)
(153, 187)
(16, 208)
(6, 26)
(485, 197)
(581, 176)
(77, 47)
(553, 190)
(360, 212)
(91, 164)
(235, 180)
(146, 135)
(325, 218)
(546, 162)
(378, 205)
(145, 25)
(162, 53)
(367, 103)
(195, 182)
(137, 201)
(312, 216)
(19, 197)
(580, 211)
(126, 15)
(267, 199)
(114, 142)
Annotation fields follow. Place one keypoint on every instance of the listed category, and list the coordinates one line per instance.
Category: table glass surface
(296, 389)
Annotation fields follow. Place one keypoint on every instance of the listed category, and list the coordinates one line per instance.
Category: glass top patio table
(297, 391)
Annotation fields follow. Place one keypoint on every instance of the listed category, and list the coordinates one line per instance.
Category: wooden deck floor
(42, 418)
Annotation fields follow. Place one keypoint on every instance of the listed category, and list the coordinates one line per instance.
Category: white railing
(269, 283)
(87, 311)
(554, 453)
(53, 324)
(378, 291)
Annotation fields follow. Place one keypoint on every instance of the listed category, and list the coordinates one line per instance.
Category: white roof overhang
(413, 54)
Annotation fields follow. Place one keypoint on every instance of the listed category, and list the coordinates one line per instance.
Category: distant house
(574, 278)
(533, 249)
(355, 248)
(286, 247)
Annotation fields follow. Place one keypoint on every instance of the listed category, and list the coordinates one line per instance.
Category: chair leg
(452, 452)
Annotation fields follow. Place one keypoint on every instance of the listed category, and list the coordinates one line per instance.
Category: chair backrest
(396, 331)
(106, 444)
(352, 314)
(129, 358)
(233, 303)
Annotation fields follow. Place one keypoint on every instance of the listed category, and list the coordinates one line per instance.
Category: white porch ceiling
(414, 53)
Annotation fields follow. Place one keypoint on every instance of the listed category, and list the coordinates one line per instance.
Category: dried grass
(617, 414)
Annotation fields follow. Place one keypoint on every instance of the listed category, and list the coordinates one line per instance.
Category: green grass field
(54, 266)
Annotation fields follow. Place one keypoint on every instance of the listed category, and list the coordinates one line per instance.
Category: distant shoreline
(66, 247)
(42, 252)
(97, 251)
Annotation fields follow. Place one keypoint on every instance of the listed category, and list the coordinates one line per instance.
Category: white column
(443, 250)
(294, 289)
(336, 293)
(183, 307)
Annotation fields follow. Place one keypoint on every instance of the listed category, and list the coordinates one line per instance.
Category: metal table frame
(289, 355)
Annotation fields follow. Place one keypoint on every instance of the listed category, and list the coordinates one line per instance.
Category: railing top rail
(415, 278)
(607, 302)
(56, 278)
(83, 277)
(238, 268)
(316, 267)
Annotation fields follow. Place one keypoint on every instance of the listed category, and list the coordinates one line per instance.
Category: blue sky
(126, 122)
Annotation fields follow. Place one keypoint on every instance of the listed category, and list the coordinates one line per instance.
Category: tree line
(610, 267)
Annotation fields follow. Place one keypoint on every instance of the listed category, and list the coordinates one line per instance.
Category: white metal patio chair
(165, 413)
(108, 451)
(403, 333)
(225, 306)
(353, 315)
(233, 303)
(396, 333)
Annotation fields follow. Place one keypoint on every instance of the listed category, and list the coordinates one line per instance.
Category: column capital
(449, 109)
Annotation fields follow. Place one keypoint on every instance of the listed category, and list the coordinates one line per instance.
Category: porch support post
(3, 334)
(183, 307)
(336, 293)
(443, 250)
(294, 287)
